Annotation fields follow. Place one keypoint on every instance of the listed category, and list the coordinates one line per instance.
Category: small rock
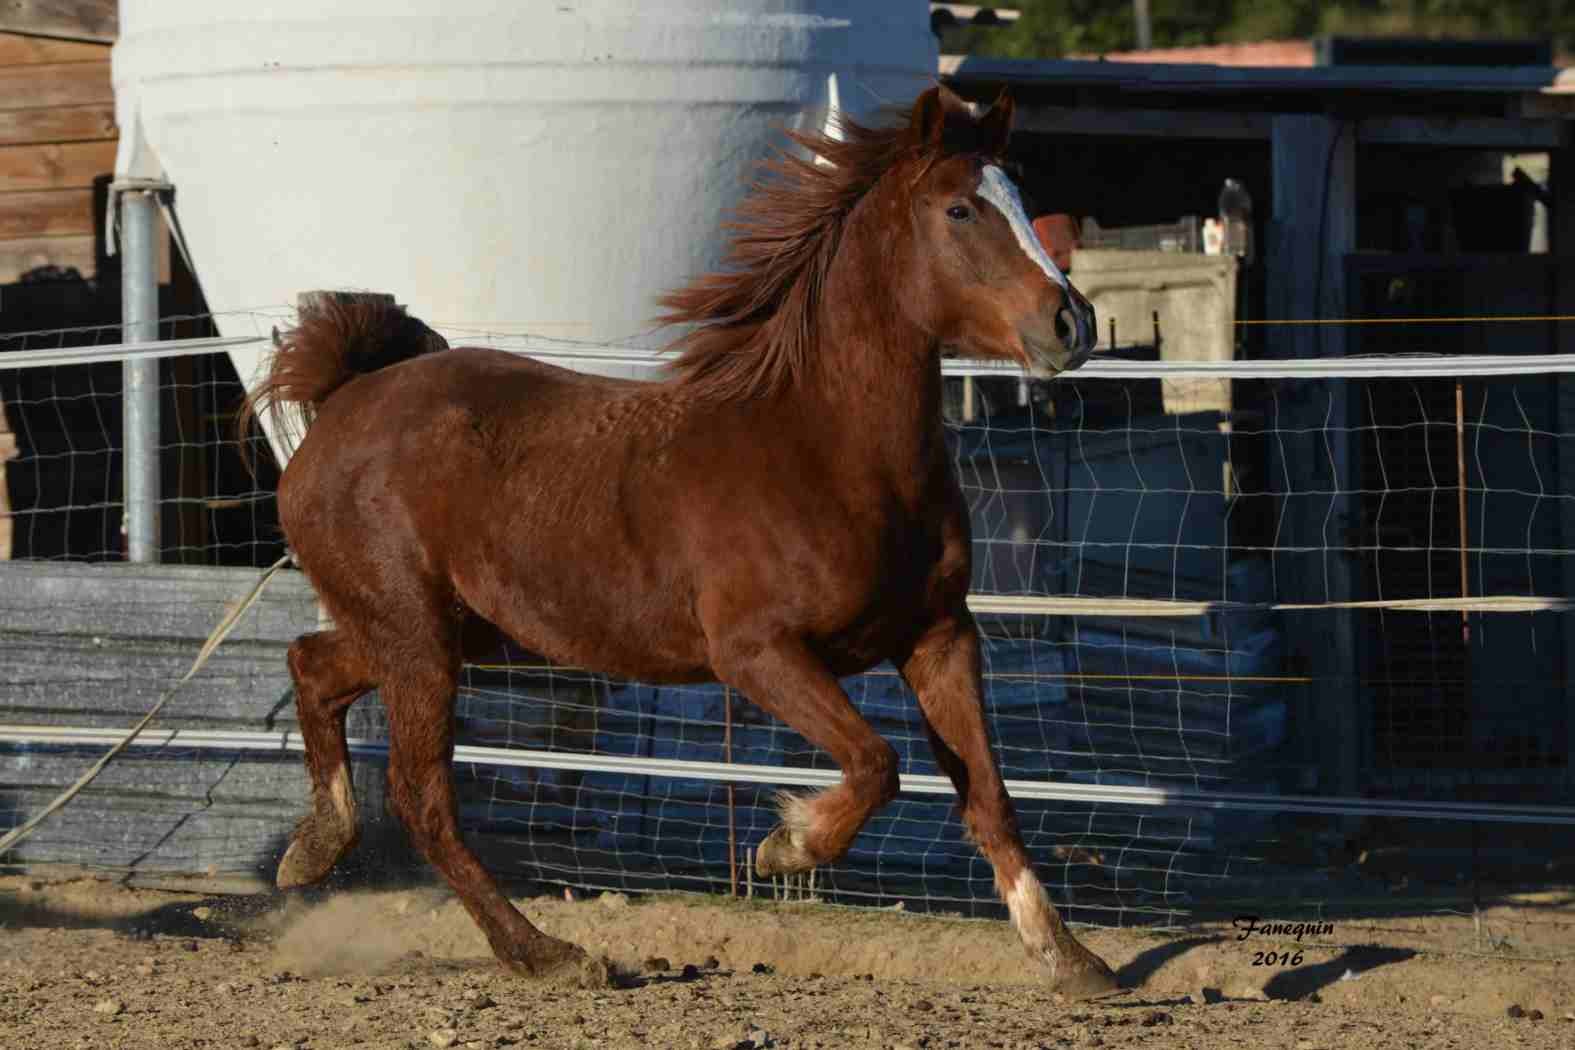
(443, 1038)
(249, 1040)
(761, 967)
(1515, 1010)
(1155, 1017)
(145, 969)
(923, 1004)
(191, 946)
(109, 1007)
(691, 971)
(568, 895)
(613, 900)
(711, 962)
(1569, 1016)
(658, 964)
(1304, 1044)
(1535, 1015)
(202, 914)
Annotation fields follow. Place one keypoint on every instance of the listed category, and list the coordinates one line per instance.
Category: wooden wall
(57, 133)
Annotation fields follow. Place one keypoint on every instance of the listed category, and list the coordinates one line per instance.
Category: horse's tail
(334, 342)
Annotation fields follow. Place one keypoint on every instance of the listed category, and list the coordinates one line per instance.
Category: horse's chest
(883, 589)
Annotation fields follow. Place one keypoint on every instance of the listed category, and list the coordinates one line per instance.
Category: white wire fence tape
(220, 632)
(1030, 604)
(1413, 366)
(46, 357)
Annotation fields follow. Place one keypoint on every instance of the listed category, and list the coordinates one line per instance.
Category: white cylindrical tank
(545, 167)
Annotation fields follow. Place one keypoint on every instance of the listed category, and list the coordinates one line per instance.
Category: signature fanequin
(1253, 924)
(1250, 925)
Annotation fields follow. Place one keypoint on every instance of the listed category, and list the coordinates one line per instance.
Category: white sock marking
(1030, 909)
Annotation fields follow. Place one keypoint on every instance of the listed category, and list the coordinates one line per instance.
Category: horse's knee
(873, 773)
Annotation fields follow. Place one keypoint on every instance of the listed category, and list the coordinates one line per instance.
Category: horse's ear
(928, 117)
(995, 127)
(931, 112)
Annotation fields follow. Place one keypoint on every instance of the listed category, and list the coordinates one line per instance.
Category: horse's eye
(959, 213)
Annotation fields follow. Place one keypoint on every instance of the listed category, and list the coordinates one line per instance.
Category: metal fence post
(139, 315)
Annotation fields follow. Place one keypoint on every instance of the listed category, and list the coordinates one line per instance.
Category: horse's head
(978, 280)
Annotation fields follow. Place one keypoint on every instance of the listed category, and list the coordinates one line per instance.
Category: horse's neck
(876, 379)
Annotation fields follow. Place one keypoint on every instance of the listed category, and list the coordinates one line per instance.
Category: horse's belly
(627, 636)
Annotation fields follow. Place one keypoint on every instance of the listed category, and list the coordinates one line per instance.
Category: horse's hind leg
(420, 703)
(944, 670)
(329, 676)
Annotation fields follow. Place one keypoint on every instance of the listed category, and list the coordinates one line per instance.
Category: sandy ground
(91, 964)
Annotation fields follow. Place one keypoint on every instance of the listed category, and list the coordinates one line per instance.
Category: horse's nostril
(1065, 326)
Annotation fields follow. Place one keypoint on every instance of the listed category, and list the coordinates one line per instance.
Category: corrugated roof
(1148, 75)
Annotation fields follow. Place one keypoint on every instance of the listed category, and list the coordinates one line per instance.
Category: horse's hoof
(778, 854)
(302, 866)
(563, 963)
(321, 840)
(1086, 980)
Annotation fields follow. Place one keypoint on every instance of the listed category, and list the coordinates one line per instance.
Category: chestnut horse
(777, 513)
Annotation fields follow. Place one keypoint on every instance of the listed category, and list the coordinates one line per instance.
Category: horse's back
(500, 480)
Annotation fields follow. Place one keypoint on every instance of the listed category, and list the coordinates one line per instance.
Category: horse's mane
(756, 318)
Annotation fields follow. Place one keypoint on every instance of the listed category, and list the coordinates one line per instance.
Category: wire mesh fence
(1305, 643)
(65, 477)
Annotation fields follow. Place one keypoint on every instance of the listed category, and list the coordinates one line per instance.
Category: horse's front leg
(944, 670)
(784, 678)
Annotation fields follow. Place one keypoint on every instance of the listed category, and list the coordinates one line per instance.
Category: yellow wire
(1408, 320)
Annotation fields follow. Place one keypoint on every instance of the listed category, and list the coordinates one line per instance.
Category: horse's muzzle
(1070, 344)
(1078, 326)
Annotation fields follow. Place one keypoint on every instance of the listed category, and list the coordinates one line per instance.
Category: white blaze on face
(999, 190)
